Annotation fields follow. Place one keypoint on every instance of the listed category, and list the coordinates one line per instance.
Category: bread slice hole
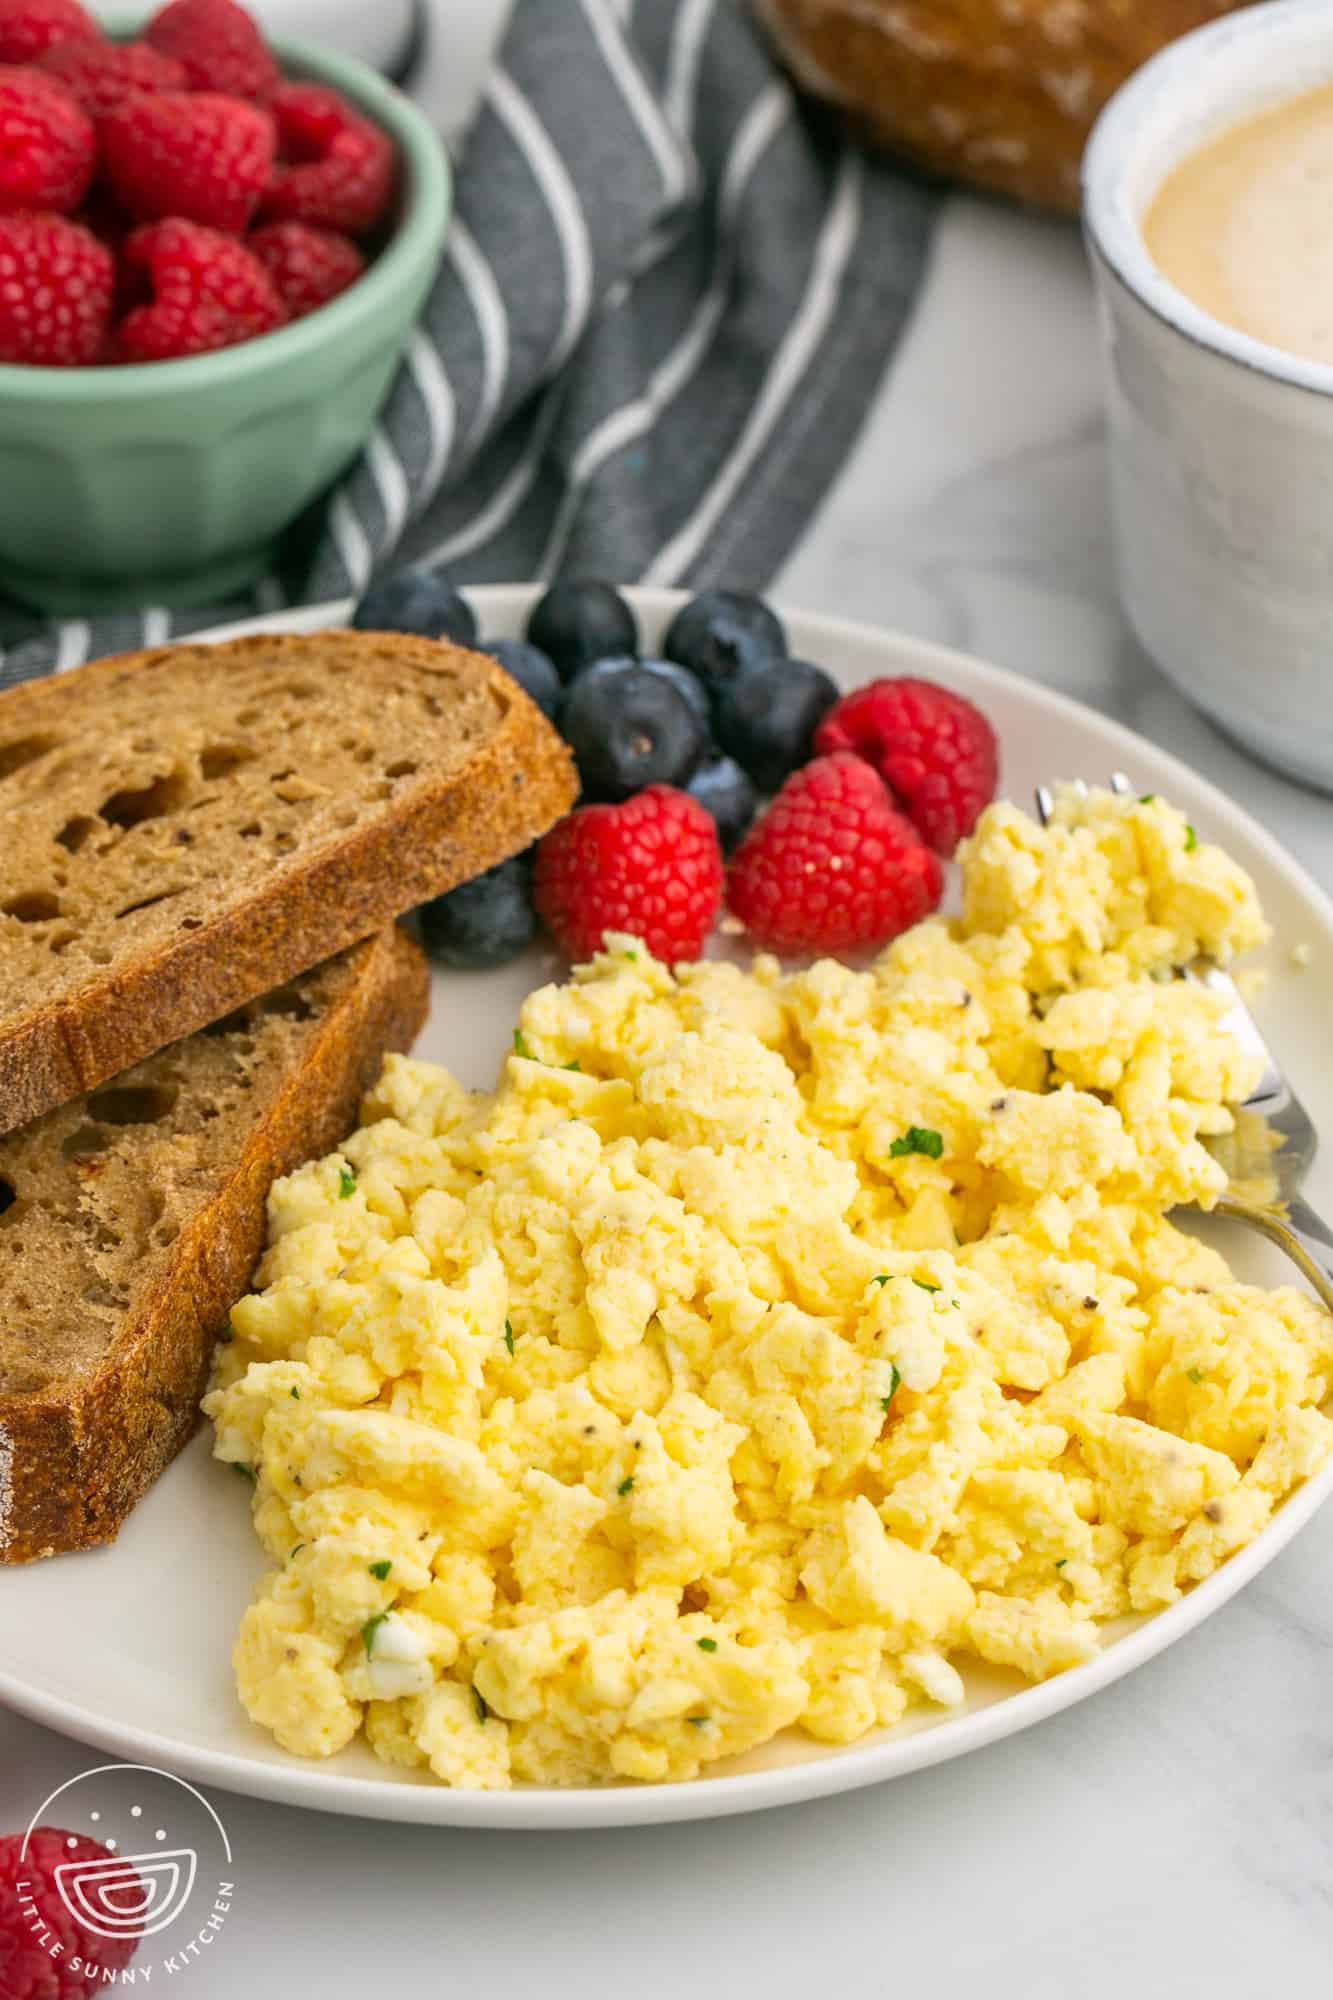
(131, 808)
(219, 760)
(9, 1194)
(402, 769)
(25, 750)
(37, 906)
(83, 1142)
(251, 830)
(288, 1003)
(148, 902)
(134, 1103)
(75, 831)
(234, 1023)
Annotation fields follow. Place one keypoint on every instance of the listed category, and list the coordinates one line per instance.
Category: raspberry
(334, 167)
(650, 866)
(207, 291)
(832, 866)
(101, 74)
(28, 1971)
(204, 158)
(55, 291)
(935, 751)
(308, 266)
(28, 28)
(218, 43)
(46, 143)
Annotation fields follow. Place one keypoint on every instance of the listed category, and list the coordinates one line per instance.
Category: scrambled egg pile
(768, 1341)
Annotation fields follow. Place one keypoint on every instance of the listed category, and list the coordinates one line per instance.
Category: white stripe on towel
(789, 364)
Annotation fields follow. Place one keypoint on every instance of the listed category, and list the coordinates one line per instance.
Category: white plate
(128, 1648)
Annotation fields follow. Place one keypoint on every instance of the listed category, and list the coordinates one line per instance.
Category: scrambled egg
(768, 1343)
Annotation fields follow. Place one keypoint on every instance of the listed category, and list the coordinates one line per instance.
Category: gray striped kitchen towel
(668, 296)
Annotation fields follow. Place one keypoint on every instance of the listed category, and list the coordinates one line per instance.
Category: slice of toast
(130, 1222)
(183, 829)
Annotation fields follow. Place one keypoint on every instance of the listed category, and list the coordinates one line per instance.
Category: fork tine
(1045, 798)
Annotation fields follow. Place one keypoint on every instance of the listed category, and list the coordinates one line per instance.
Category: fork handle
(1305, 1236)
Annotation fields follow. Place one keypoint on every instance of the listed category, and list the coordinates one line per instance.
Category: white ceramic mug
(1221, 447)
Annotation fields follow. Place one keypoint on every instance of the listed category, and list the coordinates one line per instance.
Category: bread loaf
(130, 1222)
(183, 829)
(1000, 93)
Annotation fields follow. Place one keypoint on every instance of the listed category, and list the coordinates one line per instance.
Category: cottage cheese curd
(769, 1343)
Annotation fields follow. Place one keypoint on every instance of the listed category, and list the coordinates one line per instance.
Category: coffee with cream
(1244, 226)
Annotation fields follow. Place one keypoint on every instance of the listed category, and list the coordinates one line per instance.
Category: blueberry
(767, 717)
(687, 683)
(693, 689)
(417, 600)
(484, 922)
(720, 633)
(529, 666)
(581, 620)
(723, 790)
(628, 727)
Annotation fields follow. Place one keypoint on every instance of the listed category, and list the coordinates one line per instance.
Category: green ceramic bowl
(168, 483)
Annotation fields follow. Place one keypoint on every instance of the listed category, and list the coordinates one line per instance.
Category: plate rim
(856, 1765)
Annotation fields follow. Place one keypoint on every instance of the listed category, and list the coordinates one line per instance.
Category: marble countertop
(1177, 1830)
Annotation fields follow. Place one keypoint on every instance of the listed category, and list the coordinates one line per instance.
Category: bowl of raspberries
(212, 251)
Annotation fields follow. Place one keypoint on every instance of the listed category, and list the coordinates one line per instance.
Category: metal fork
(1274, 1147)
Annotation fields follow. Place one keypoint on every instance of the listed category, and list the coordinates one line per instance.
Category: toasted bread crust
(76, 1458)
(437, 833)
(1000, 93)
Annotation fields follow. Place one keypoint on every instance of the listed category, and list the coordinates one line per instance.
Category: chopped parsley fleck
(576, 1064)
(1195, 1374)
(706, 1645)
(631, 955)
(479, 1701)
(521, 1045)
(1191, 838)
(346, 1183)
(918, 1139)
(509, 1336)
(1061, 1561)
(925, 1284)
(698, 1721)
(380, 1569)
(294, 1393)
(369, 1629)
(246, 1471)
(1146, 798)
(884, 1278)
(296, 1551)
(626, 1486)
(894, 1379)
